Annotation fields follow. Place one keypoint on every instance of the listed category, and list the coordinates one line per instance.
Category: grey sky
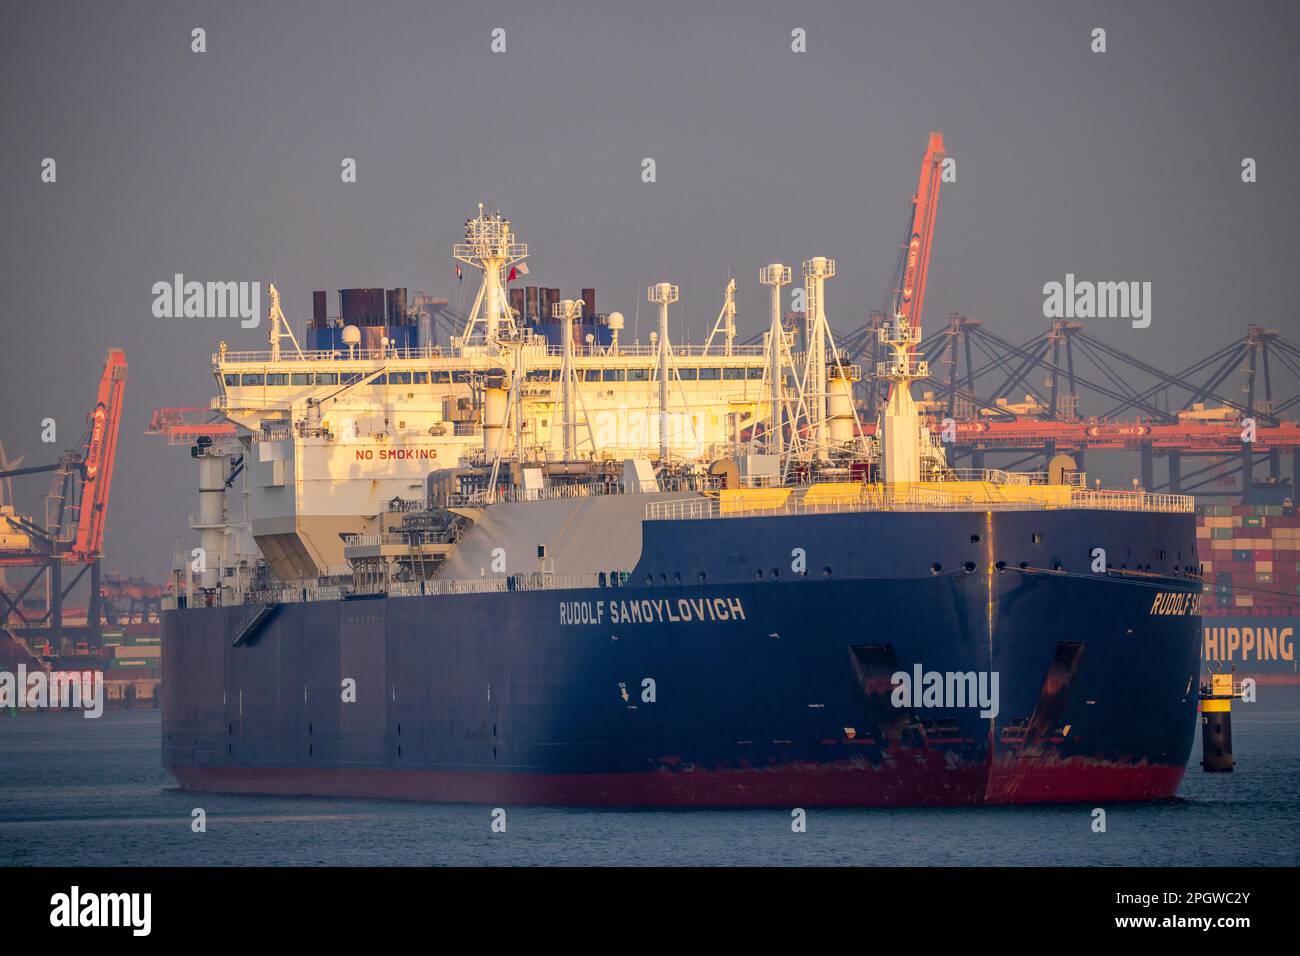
(225, 166)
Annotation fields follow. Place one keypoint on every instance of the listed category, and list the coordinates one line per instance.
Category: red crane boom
(99, 455)
(914, 264)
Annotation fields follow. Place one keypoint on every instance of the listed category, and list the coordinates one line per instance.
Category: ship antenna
(490, 247)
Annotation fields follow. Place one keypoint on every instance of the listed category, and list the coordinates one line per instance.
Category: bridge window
(754, 373)
(441, 377)
(277, 378)
(419, 378)
(460, 375)
(399, 378)
(710, 374)
(612, 375)
(686, 374)
(231, 378)
(638, 375)
(327, 378)
(733, 374)
(300, 378)
(252, 378)
(591, 375)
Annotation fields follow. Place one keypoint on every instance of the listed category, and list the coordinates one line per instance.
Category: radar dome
(615, 320)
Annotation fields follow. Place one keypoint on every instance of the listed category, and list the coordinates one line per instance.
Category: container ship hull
(772, 692)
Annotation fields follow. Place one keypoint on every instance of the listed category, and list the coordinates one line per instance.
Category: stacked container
(1251, 553)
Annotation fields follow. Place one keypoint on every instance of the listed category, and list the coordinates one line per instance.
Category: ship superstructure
(332, 435)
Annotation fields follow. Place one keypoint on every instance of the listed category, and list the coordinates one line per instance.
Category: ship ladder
(416, 560)
(252, 623)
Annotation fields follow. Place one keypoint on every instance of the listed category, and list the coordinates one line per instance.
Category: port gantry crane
(1193, 418)
(1206, 424)
(82, 482)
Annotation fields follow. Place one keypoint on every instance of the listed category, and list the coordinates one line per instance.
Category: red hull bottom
(1072, 781)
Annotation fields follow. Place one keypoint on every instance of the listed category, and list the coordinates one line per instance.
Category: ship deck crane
(913, 268)
(911, 273)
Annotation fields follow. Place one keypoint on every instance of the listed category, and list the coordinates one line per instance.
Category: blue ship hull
(698, 683)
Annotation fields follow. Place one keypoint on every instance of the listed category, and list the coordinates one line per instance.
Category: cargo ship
(543, 564)
(1250, 555)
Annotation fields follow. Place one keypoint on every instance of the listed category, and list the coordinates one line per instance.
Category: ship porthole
(677, 577)
(1024, 565)
(650, 579)
(702, 577)
(936, 568)
(776, 572)
(1001, 565)
(974, 539)
(826, 571)
(1056, 565)
(970, 567)
(759, 574)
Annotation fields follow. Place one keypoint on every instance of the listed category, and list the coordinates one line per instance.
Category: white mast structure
(567, 310)
(663, 293)
(778, 357)
(726, 321)
(825, 418)
(279, 326)
(900, 426)
(489, 245)
(816, 271)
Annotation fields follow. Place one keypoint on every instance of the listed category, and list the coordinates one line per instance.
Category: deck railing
(920, 500)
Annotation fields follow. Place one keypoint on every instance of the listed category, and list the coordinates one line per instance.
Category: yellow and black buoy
(1216, 723)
